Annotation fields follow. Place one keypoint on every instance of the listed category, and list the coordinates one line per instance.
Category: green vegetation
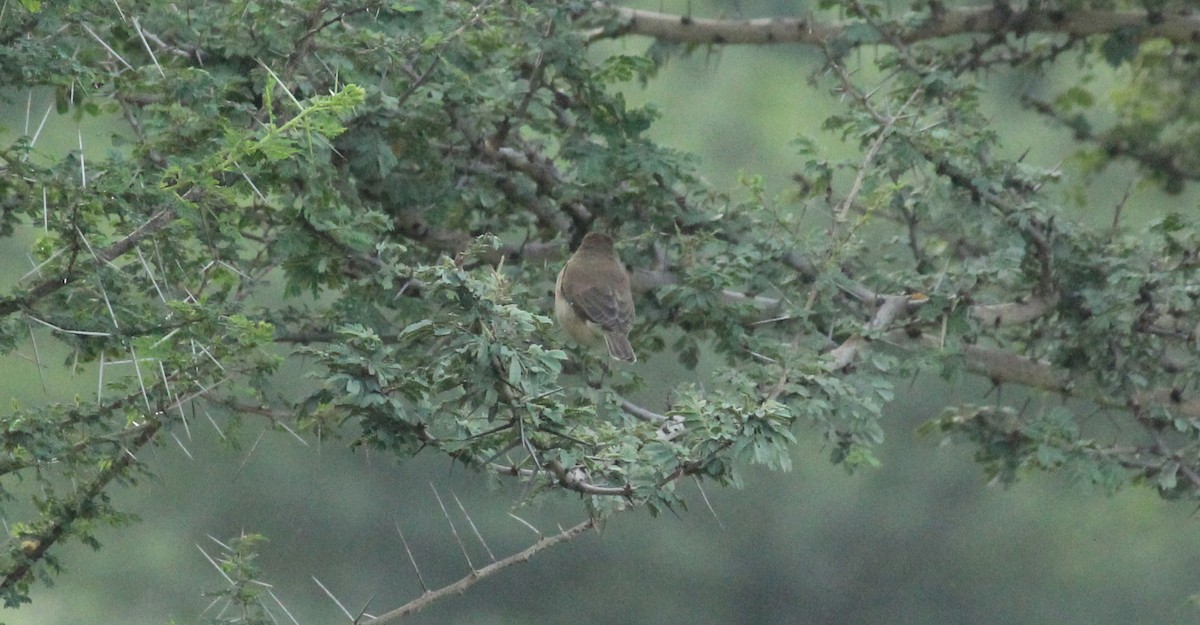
(340, 222)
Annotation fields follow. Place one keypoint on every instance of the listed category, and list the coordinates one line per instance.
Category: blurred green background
(922, 539)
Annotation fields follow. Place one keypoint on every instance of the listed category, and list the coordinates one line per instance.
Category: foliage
(410, 175)
(244, 599)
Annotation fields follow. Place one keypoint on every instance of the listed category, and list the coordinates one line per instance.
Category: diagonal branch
(76, 508)
(476, 575)
(160, 220)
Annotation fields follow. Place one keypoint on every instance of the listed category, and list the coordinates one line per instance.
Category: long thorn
(363, 611)
(411, 559)
(37, 357)
(82, 163)
(474, 577)
(471, 522)
(181, 446)
(138, 28)
(65, 330)
(249, 453)
(335, 600)
(100, 380)
(106, 47)
(704, 496)
(214, 424)
(283, 607)
(137, 368)
(526, 524)
(37, 269)
(150, 274)
(38, 132)
(214, 563)
(162, 370)
(454, 531)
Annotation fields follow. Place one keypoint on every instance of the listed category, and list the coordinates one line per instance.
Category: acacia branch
(1162, 155)
(81, 505)
(1003, 367)
(1014, 313)
(472, 578)
(992, 19)
(160, 220)
(78, 507)
(893, 307)
(577, 479)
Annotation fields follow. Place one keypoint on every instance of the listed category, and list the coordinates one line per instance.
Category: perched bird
(592, 297)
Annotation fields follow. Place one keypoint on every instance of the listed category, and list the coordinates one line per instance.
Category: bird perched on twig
(592, 298)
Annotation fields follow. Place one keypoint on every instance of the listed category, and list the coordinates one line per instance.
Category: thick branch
(991, 19)
(1014, 313)
(1005, 367)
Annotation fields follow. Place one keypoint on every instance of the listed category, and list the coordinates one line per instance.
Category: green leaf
(1121, 46)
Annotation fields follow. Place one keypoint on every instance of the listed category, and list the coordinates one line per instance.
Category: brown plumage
(592, 297)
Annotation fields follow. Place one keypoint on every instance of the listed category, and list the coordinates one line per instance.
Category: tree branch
(893, 307)
(76, 508)
(1004, 367)
(991, 19)
(1014, 313)
(160, 220)
(476, 575)
(82, 503)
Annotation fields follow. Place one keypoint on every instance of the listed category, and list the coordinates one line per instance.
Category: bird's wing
(605, 307)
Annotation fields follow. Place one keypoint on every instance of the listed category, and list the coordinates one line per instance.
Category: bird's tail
(619, 347)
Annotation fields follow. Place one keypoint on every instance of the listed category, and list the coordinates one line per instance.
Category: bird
(592, 298)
